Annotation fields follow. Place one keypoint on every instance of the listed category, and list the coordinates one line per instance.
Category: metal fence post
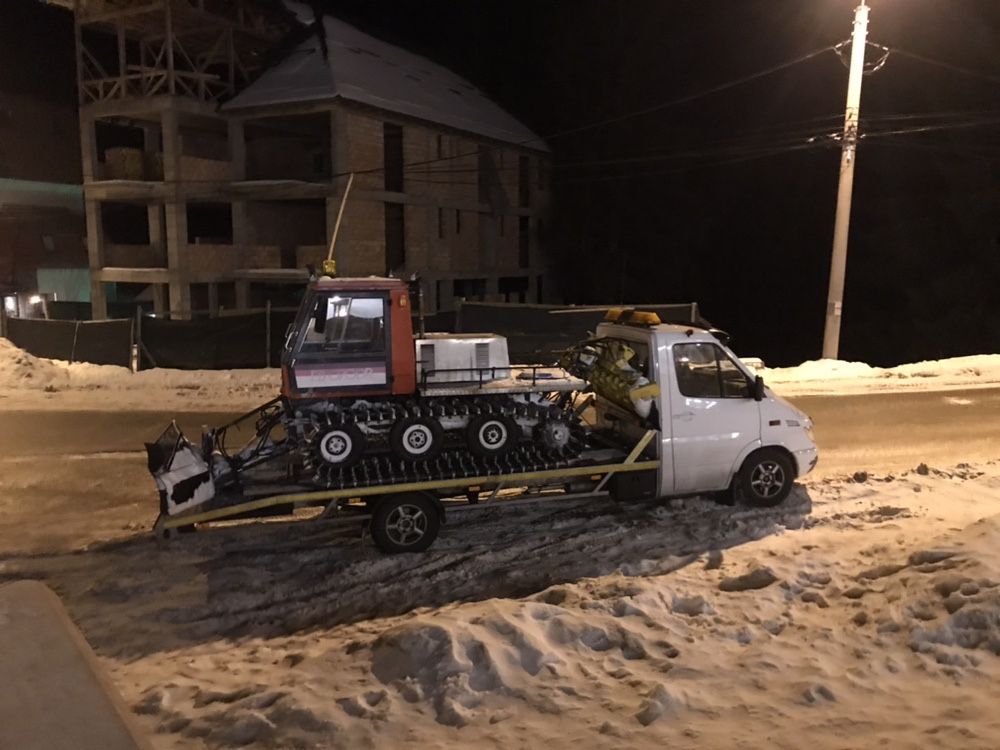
(267, 333)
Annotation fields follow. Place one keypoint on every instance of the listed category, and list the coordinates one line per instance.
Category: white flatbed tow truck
(691, 419)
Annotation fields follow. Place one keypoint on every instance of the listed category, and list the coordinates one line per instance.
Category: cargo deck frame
(532, 484)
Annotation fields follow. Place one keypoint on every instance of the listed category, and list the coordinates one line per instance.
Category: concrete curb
(54, 694)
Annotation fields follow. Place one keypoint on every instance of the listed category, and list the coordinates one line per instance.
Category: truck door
(712, 418)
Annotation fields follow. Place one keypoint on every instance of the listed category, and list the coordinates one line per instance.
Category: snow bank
(835, 376)
(29, 382)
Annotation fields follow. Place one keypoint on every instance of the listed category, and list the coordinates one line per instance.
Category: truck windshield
(705, 371)
(348, 324)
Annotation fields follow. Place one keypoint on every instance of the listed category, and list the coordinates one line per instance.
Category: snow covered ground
(863, 613)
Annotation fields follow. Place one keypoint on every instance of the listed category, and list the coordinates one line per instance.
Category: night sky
(729, 200)
(743, 224)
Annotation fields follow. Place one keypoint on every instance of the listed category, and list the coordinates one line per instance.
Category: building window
(440, 223)
(523, 242)
(440, 146)
(392, 150)
(395, 238)
(458, 221)
(524, 181)
(513, 288)
(471, 289)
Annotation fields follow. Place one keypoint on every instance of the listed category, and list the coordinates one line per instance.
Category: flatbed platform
(599, 464)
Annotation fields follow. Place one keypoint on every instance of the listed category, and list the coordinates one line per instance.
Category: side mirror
(758, 388)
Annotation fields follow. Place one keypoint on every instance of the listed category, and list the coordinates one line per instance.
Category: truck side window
(705, 371)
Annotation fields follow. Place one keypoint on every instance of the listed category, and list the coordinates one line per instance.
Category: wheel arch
(756, 447)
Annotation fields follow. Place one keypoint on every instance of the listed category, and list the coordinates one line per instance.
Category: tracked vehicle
(358, 388)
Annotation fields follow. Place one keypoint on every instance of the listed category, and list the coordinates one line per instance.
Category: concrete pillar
(213, 300)
(492, 288)
(175, 214)
(154, 217)
(159, 298)
(95, 259)
(88, 148)
(532, 294)
(98, 299)
(175, 217)
(238, 171)
(242, 295)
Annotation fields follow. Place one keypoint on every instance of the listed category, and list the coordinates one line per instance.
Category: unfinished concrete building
(211, 184)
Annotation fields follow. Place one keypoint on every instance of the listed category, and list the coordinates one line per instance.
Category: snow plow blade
(181, 473)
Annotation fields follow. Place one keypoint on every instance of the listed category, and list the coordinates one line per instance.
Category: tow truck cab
(718, 423)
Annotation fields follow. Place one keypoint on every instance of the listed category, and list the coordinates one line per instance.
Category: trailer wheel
(766, 478)
(492, 434)
(340, 445)
(405, 523)
(417, 438)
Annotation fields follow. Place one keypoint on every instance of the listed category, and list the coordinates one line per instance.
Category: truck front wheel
(406, 523)
(766, 478)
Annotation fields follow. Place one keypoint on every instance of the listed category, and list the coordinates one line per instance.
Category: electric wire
(945, 65)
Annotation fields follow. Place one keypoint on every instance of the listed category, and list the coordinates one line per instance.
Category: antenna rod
(340, 215)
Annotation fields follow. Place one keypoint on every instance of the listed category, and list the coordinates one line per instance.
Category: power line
(945, 65)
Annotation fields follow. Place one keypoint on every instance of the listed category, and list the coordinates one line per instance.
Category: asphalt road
(873, 432)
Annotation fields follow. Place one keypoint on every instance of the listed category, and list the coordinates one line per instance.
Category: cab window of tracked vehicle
(346, 324)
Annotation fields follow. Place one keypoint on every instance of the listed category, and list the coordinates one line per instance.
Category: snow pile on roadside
(836, 376)
(28, 381)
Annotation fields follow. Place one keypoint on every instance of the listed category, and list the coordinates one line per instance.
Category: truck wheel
(340, 445)
(766, 478)
(417, 438)
(405, 523)
(492, 434)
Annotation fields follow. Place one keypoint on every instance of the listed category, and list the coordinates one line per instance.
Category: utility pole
(848, 154)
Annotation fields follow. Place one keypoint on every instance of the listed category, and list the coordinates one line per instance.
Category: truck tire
(406, 523)
(492, 434)
(417, 438)
(766, 478)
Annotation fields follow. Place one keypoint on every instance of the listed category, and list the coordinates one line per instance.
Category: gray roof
(369, 71)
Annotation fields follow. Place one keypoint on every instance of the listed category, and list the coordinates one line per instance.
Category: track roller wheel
(417, 438)
(340, 445)
(406, 523)
(554, 434)
(491, 435)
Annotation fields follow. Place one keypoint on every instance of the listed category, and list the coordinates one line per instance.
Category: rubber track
(385, 470)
